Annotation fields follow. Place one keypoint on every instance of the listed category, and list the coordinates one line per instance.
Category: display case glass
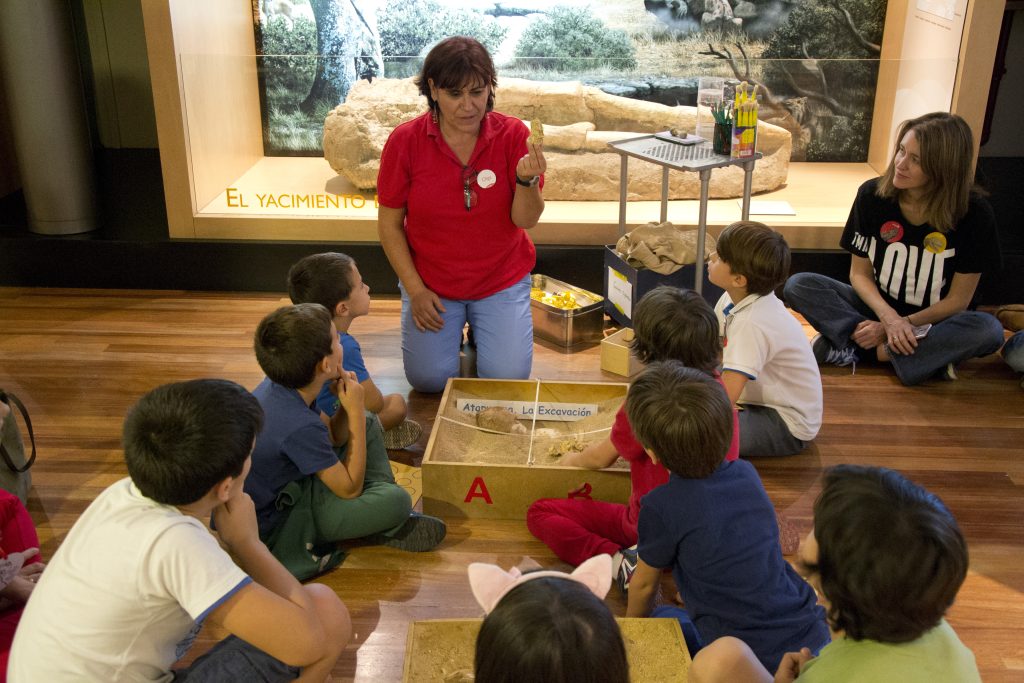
(242, 130)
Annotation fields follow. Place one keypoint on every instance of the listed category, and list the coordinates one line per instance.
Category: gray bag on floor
(14, 468)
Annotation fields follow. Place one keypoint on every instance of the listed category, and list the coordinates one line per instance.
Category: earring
(433, 115)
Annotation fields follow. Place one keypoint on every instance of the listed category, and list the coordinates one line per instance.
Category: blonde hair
(947, 153)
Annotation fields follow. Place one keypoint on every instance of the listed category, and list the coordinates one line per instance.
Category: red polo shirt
(459, 254)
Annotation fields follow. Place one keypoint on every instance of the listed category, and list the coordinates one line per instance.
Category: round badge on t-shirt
(891, 231)
(486, 178)
(935, 242)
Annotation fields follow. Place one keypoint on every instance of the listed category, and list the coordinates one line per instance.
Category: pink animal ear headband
(490, 583)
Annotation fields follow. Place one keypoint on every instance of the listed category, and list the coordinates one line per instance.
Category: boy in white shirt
(139, 573)
(768, 367)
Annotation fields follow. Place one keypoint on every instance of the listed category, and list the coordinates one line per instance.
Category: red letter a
(478, 489)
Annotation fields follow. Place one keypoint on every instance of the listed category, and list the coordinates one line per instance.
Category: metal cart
(701, 158)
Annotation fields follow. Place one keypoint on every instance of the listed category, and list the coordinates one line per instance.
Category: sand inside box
(459, 439)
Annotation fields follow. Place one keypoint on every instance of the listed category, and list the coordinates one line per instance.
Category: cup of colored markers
(744, 122)
(721, 140)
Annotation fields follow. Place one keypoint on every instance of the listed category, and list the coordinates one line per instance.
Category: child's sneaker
(419, 533)
(826, 354)
(626, 568)
(402, 436)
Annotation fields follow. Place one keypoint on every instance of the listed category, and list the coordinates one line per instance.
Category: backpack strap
(9, 399)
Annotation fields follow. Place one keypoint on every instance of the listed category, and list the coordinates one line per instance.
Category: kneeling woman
(920, 237)
(458, 187)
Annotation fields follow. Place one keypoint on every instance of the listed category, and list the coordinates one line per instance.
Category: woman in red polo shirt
(458, 188)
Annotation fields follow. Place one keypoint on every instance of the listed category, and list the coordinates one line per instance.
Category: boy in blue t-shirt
(332, 280)
(713, 525)
(317, 480)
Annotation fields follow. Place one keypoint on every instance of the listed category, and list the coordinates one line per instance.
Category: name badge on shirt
(486, 178)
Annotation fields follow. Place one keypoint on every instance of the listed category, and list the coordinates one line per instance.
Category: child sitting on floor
(308, 495)
(333, 281)
(768, 367)
(20, 565)
(547, 625)
(888, 559)
(671, 324)
(713, 525)
(139, 573)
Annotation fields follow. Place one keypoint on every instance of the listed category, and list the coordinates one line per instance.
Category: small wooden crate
(470, 473)
(436, 649)
(617, 354)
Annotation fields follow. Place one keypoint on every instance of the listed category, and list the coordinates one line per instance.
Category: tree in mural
(573, 40)
(407, 27)
(348, 46)
(822, 43)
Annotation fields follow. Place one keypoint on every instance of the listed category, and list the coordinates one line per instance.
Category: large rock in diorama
(579, 122)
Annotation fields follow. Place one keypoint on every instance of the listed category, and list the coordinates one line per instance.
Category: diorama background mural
(815, 60)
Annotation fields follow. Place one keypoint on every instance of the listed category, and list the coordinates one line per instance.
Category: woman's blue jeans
(502, 331)
(1013, 351)
(835, 310)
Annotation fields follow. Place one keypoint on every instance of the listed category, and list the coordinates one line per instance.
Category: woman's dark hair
(891, 557)
(291, 342)
(180, 440)
(455, 62)
(683, 416)
(554, 630)
(947, 152)
(676, 324)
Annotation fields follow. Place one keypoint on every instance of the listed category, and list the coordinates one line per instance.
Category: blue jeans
(1013, 351)
(835, 310)
(233, 659)
(502, 330)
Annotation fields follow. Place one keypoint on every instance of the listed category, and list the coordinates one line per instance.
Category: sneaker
(826, 354)
(402, 436)
(626, 569)
(419, 534)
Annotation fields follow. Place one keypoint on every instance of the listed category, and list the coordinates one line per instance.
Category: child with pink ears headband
(547, 625)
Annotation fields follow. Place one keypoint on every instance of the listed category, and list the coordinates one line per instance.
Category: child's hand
(350, 392)
(792, 662)
(32, 570)
(569, 460)
(236, 521)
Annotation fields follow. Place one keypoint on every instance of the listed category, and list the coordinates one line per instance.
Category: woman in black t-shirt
(920, 237)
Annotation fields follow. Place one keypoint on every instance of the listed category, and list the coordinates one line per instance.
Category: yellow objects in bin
(565, 301)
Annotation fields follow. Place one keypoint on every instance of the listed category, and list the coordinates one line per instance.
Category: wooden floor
(79, 358)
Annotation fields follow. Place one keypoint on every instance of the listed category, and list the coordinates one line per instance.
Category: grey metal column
(48, 117)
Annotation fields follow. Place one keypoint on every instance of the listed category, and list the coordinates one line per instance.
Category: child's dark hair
(181, 440)
(676, 324)
(291, 341)
(890, 555)
(756, 252)
(683, 415)
(324, 279)
(550, 629)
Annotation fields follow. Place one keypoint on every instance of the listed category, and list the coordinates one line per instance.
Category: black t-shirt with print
(914, 264)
